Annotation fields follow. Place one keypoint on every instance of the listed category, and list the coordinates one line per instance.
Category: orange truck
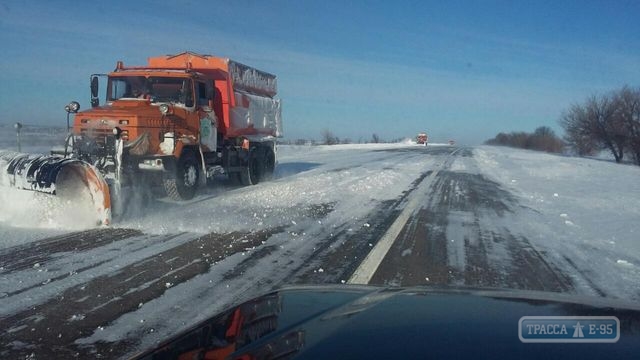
(422, 139)
(174, 122)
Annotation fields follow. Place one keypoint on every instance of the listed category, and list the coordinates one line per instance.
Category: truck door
(208, 122)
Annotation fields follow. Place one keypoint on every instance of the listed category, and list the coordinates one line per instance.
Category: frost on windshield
(157, 89)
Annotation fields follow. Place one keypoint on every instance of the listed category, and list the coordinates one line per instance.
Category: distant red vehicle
(422, 139)
(452, 142)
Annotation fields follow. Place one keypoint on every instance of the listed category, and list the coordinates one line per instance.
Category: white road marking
(369, 265)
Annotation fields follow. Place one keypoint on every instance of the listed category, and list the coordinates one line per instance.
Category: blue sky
(461, 70)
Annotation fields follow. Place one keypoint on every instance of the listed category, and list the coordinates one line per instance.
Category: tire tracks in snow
(365, 271)
(50, 328)
(338, 256)
(455, 239)
(39, 252)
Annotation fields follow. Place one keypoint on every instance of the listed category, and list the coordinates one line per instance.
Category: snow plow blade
(64, 177)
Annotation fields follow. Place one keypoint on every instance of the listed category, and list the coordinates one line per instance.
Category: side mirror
(95, 101)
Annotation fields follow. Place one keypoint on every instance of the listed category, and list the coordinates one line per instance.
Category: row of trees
(606, 122)
(328, 138)
(542, 139)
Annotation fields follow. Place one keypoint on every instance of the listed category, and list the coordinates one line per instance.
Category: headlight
(73, 107)
(165, 109)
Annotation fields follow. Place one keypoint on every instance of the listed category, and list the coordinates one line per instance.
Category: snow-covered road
(488, 217)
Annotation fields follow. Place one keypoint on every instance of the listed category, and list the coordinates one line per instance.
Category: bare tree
(596, 122)
(577, 131)
(628, 116)
(375, 138)
(610, 121)
(328, 138)
(545, 139)
(605, 126)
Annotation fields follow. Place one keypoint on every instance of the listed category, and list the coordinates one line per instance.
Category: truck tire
(183, 183)
(269, 165)
(260, 167)
(252, 173)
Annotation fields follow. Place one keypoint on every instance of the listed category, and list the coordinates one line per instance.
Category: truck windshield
(155, 88)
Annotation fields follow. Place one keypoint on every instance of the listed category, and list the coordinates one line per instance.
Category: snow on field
(585, 213)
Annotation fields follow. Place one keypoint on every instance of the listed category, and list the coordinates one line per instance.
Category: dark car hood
(355, 322)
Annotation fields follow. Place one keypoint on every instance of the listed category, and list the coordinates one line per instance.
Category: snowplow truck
(422, 139)
(174, 122)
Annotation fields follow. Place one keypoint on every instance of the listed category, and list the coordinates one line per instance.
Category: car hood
(352, 322)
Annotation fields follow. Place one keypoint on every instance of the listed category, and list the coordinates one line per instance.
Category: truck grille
(99, 135)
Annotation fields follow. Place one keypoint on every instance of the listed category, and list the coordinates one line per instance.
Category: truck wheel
(251, 174)
(269, 165)
(183, 184)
